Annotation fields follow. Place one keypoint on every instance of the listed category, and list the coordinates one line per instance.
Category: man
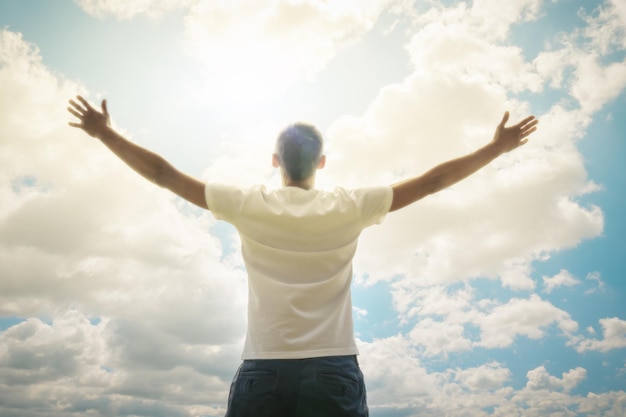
(299, 357)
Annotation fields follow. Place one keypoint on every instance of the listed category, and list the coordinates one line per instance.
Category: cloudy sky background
(503, 295)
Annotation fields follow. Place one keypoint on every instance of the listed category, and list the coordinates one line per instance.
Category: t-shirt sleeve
(224, 201)
(373, 204)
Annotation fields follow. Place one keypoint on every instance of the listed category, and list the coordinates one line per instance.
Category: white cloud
(540, 379)
(466, 43)
(562, 279)
(521, 317)
(614, 337)
(516, 274)
(596, 278)
(483, 378)
(439, 337)
(82, 237)
(72, 365)
(520, 208)
(619, 9)
(597, 84)
(360, 312)
(609, 403)
(392, 371)
(517, 211)
(399, 384)
(431, 301)
(254, 49)
(245, 157)
(496, 18)
(124, 9)
(119, 251)
(606, 27)
(596, 77)
(444, 322)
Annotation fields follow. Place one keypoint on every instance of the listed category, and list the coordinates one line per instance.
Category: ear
(275, 161)
(322, 162)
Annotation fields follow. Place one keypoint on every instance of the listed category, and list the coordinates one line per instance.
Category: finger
(525, 121)
(528, 132)
(529, 129)
(531, 124)
(75, 113)
(79, 125)
(77, 106)
(85, 103)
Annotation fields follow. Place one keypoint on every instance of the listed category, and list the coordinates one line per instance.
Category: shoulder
(372, 203)
(225, 201)
(375, 192)
(216, 188)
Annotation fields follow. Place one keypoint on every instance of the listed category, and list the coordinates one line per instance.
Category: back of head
(299, 149)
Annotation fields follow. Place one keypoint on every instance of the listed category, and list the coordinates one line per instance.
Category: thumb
(505, 118)
(105, 111)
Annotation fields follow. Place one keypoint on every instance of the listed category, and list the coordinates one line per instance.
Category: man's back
(298, 247)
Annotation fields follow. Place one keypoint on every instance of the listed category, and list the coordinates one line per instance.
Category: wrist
(104, 133)
(495, 149)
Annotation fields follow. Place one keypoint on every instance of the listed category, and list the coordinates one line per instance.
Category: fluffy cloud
(527, 317)
(596, 279)
(439, 337)
(584, 53)
(399, 384)
(520, 208)
(129, 283)
(123, 9)
(258, 48)
(445, 321)
(483, 378)
(596, 84)
(540, 379)
(614, 337)
(562, 279)
(392, 369)
(467, 42)
(74, 365)
(141, 309)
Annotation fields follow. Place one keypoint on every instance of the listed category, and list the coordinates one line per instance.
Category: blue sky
(502, 295)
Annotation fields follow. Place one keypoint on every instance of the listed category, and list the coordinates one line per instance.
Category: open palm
(509, 138)
(91, 120)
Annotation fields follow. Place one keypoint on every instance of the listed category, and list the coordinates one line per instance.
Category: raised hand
(509, 138)
(93, 122)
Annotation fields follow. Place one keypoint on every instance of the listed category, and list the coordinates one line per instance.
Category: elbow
(162, 173)
(434, 184)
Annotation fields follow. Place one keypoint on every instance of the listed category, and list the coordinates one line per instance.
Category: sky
(500, 296)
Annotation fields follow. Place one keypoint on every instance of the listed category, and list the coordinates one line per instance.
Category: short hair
(299, 149)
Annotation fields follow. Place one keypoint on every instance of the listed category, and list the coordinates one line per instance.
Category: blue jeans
(330, 386)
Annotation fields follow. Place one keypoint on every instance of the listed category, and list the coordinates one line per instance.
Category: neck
(305, 184)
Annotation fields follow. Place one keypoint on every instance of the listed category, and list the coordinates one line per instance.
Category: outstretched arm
(149, 164)
(444, 175)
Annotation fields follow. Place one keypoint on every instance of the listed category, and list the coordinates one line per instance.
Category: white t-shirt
(298, 246)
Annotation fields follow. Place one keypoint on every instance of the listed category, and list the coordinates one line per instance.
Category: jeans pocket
(339, 382)
(252, 393)
(255, 382)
